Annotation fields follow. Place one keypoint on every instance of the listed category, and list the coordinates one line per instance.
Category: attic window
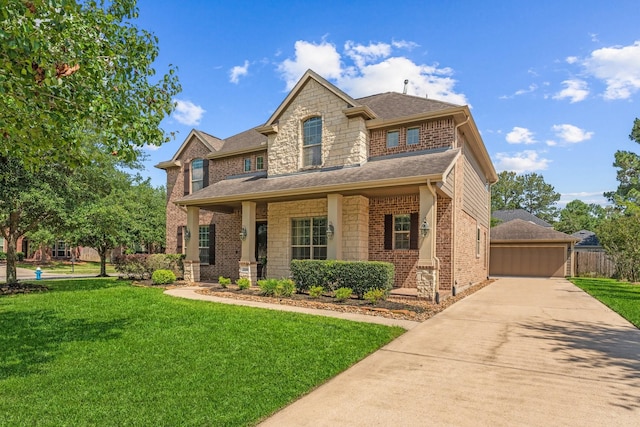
(312, 142)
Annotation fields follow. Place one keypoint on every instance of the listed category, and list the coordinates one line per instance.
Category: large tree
(69, 68)
(529, 192)
(627, 195)
(578, 215)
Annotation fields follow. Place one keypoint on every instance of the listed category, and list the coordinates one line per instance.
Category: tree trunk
(12, 242)
(103, 262)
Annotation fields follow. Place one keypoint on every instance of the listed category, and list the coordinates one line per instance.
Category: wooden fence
(593, 263)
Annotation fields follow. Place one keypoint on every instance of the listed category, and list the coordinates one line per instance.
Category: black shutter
(212, 244)
(413, 231)
(388, 232)
(187, 179)
(179, 244)
(205, 173)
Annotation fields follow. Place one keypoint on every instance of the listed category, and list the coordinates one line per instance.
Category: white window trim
(418, 140)
(395, 131)
(311, 146)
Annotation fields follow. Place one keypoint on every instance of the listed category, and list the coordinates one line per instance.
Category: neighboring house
(523, 248)
(511, 214)
(590, 257)
(587, 241)
(387, 177)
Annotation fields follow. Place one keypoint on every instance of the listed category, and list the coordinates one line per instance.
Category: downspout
(455, 132)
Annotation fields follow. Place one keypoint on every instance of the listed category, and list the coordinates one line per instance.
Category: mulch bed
(21, 288)
(405, 308)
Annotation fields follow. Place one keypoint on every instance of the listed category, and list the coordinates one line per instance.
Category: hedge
(141, 266)
(361, 276)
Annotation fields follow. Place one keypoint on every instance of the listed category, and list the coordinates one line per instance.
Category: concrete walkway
(520, 352)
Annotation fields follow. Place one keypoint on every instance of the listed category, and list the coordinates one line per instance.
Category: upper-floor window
(312, 142)
(247, 165)
(197, 175)
(393, 138)
(259, 163)
(413, 136)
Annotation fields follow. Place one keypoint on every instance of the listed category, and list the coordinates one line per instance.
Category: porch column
(248, 265)
(192, 251)
(428, 265)
(334, 223)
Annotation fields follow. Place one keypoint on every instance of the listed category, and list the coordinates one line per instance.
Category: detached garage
(521, 248)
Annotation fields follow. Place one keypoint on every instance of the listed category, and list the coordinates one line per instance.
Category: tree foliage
(578, 215)
(529, 192)
(620, 237)
(71, 68)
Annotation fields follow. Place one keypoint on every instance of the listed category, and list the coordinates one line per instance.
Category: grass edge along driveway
(102, 352)
(621, 297)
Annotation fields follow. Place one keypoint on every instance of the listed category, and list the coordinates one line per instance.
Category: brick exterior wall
(433, 134)
(344, 140)
(404, 259)
(444, 242)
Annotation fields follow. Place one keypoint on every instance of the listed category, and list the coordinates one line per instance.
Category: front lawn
(66, 267)
(621, 297)
(102, 352)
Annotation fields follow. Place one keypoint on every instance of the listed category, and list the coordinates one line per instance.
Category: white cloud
(525, 161)
(520, 136)
(368, 69)
(618, 67)
(188, 113)
(322, 58)
(576, 90)
(551, 143)
(571, 134)
(596, 197)
(238, 71)
(572, 59)
(403, 44)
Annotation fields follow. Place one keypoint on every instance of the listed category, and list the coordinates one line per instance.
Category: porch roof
(389, 175)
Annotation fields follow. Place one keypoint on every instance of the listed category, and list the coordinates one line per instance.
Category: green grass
(102, 352)
(621, 297)
(65, 267)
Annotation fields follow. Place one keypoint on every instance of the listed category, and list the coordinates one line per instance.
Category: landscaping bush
(20, 256)
(277, 288)
(375, 295)
(224, 281)
(243, 283)
(173, 262)
(315, 291)
(163, 277)
(3, 256)
(343, 294)
(360, 276)
(132, 266)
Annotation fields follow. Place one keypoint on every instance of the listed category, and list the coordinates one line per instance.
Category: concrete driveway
(520, 352)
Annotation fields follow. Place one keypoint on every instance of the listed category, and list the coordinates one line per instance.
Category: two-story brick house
(388, 177)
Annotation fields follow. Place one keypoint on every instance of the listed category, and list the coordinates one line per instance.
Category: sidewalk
(26, 274)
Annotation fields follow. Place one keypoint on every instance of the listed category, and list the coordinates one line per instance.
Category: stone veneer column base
(191, 271)
(427, 281)
(249, 270)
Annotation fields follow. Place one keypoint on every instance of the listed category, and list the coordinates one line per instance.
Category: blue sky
(553, 86)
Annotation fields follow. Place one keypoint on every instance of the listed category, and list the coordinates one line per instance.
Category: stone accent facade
(344, 140)
(355, 228)
(405, 260)
(427, 283)
(433, 134)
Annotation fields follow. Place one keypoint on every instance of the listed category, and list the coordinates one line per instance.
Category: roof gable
(507, 215)
(586, 238)
(211, 142)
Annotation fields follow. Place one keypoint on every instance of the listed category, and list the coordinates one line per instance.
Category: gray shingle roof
(391, 105)
(243, 141)
(520, 230)
(587, 238)
(372, 174)
(511, 214)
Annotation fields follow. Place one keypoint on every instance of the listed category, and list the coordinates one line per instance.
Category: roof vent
(406, 83)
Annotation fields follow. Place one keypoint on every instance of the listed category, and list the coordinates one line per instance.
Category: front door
(261, 248)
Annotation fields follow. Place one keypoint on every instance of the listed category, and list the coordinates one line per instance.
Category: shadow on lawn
(29, 339)
(611, 354)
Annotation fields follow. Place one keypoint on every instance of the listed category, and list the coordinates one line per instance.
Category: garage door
(527, 261)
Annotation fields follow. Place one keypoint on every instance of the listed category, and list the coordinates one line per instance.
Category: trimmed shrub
(277, 288)
(360, 276)
(375, 295)
(173, 262)
(243, 283)
(224, 281)
(315, 291)
(268, 286)
(20, 256)
(132, 266)
(163, 277)
(343, 294)
(3, 256)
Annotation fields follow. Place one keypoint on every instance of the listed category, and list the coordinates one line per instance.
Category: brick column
(248, 264)
(192, 251)
(428, 265)
(334, 220)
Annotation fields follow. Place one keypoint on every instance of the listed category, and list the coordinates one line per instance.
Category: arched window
(312, 142)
